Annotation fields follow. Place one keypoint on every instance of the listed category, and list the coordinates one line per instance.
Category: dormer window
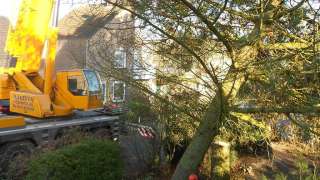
(120, 57)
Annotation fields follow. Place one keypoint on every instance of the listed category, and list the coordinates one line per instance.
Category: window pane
(76, 85)
(104, 91)
(120, 58)
(137, 64)
(118, 91)
(93, 81)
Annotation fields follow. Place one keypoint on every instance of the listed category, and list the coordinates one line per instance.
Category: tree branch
(210, 25)
(182, 44)
(275, 109)
(221, 11)
(302, 125)
(282, 13)
(234, 12)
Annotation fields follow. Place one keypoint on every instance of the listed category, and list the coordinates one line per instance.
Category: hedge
(90, 159)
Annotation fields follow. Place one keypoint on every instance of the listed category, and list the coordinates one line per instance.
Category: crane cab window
(93, 81)
(77, 85)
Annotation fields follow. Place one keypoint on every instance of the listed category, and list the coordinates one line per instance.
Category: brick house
(4, 25)
(100, 38)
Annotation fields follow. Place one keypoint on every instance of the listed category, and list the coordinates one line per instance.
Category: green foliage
(304, 171)
(178, 126)
(243, 128)
(296, 18)
(281, 176)
(90, 159)
(139, 106)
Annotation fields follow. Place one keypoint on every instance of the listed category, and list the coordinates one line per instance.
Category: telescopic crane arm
(28, 35)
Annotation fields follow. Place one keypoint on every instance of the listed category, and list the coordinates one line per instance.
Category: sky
(9, 8)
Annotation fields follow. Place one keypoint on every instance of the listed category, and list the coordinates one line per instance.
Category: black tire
(10, 151)
(102, 133)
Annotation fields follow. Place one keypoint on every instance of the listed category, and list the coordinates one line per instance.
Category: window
(12, 61)
(118, 91)
(120, 58)
(76, 85)
(104, 91)
(137, 60)
(93, 81)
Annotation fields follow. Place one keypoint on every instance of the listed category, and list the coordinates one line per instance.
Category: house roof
(85, 21)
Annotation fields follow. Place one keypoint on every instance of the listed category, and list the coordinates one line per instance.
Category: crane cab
(80, 89)
(73, 90)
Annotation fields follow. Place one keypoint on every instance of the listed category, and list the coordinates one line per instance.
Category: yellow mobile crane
(28, 93)
(40, 106)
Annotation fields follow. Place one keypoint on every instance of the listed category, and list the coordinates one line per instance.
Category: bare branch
(210, 25)
(182, 44)
(301, 124)
(285, 12)
(221, 11)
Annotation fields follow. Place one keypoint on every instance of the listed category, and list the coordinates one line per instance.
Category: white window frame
(105, 93)
(137, 60)
(86, 60)
(124, 58)
(124, 91)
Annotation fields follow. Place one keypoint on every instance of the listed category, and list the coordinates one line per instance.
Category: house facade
(4, 25)
(99, 37)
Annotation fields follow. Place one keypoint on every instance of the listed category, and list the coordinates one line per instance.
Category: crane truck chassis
(23, 140)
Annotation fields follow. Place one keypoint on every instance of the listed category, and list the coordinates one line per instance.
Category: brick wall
(71, 54)
(4, 23)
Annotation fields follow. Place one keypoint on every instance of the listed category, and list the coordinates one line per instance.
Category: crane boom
(26, 38)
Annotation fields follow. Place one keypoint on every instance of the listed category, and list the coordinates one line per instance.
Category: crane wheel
(9, 152)
(103, 133)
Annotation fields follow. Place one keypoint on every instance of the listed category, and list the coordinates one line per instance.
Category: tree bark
(213, 117)
(221, 160)
(208, 129)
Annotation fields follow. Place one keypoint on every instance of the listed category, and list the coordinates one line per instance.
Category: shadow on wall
(75, 29)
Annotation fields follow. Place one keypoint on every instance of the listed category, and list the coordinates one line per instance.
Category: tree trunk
(208, 129)
(213, 118)
(221, 160)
